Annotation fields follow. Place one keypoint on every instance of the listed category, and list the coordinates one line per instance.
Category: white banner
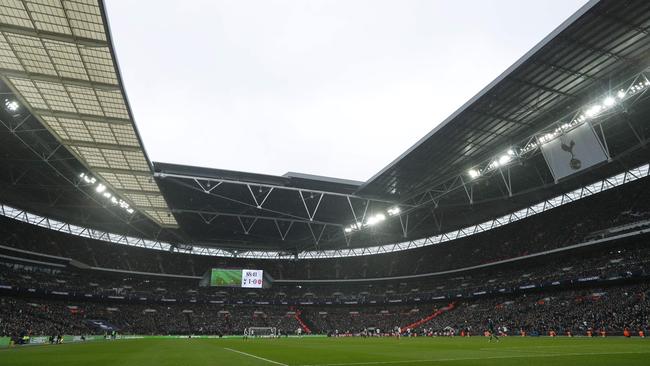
(252, 278)
(573, 152)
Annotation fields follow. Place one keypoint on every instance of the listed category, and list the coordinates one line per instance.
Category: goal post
(263, 332)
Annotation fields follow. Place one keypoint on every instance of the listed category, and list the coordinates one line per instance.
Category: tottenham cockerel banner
(573, 152)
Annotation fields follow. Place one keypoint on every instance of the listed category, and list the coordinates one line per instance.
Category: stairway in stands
(428, 318)
(302, 323)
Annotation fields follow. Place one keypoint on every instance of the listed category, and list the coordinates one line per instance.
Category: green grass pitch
(336, 352)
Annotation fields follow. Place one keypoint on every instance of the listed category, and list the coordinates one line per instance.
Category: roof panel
(8, 59)
(124, 134)
(56, 96)
(163, 216)
(13, 12)
(57, 127)
(66, 59)
(31, 53)
(63, 68)
(75, 129)
(93, 156)
(28, 90)
(84, 100)
(101, 132)
(48, 15)
(112, 103)
(99, 64)
(136, 161)
(85, 18)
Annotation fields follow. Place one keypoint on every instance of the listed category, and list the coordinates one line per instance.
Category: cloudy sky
(327, 87)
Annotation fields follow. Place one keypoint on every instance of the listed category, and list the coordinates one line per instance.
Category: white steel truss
(565, 198)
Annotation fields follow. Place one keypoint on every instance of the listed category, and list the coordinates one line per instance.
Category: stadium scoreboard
(246, 278)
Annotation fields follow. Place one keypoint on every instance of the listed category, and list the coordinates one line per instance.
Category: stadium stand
(535, 298)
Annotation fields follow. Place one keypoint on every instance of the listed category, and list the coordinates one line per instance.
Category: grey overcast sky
(327, 87)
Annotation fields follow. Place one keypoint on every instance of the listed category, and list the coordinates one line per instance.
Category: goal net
(267, 332)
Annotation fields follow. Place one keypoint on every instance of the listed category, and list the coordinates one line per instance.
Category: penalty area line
(258, 357)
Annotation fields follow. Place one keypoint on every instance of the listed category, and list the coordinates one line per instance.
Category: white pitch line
(258, 357)
(470, 358)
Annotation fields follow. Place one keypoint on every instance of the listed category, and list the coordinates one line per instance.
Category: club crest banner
(573, 152)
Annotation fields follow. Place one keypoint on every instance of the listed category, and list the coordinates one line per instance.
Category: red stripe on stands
(428, 318)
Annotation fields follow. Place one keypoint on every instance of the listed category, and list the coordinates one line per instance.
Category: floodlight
(621, 94)
(593, 110)
(100, 188)
(393, 211)
(474, 173)
(11, 105)
(375, 219)
(504, 159)
(609, 101)
(348, 229)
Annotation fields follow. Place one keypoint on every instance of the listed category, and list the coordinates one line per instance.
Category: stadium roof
(58, 60)
(602, 43)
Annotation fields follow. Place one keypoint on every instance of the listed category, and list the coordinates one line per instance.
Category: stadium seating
(594, 288)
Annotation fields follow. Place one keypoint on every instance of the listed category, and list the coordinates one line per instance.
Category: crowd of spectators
(180, 306)
(619, 260)
(38, 317)
(574, 312)
(567, 312)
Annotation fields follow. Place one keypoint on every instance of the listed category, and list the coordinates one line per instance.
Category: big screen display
(248, 278)
(252, 278)
(225, 277)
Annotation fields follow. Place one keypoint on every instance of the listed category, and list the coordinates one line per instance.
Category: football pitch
(336, 352)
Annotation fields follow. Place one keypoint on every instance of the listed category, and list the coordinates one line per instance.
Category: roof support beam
(85, 117)
(310, 213)
(25, 31)
(100, 145)
(506, 180)
(318, 238)
(140, 173)
(544, 88)
(404, 223)
(205, 213)
(259, 203)
(264, 185)
(56, 79)
(208, 188)
(499, 117)
(247, 228)
(283, 234)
